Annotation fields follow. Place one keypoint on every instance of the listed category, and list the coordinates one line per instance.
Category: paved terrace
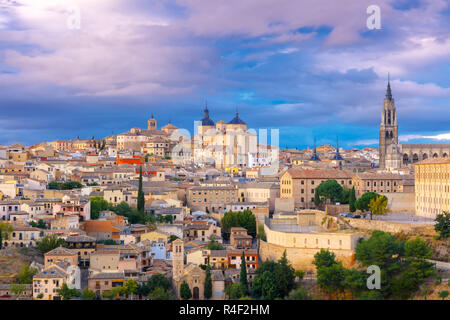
(290, 225)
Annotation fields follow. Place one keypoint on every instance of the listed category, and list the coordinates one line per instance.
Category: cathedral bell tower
(152, 123)
(388, 127)
(177, 259)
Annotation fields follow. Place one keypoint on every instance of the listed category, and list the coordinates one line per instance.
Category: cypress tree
(140, 199)
(352, 200)
(185, 291)
(208, 284)
(243, 276)
(317, 199)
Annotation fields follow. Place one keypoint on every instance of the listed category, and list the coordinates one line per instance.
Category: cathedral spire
(206, 121)
(315, 157)
(206, 111)
(388, 90)
(337, 156)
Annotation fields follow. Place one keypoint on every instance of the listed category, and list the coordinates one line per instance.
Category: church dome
(237, 120)
(206, 121)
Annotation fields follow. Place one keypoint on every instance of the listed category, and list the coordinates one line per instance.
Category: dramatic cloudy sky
(308, 67)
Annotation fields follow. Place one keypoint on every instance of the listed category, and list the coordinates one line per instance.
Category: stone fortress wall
(286, 234)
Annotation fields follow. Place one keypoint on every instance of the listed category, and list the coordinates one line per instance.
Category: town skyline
(309, 74)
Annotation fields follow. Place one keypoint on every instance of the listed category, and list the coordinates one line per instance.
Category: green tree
(130, 288)
(332, 278)
(299, 274)
(355, 281)
(69, 185)
(160, 294)
(66, 293)
(258, 288)
(274, 280)
(53, 185)
(371, 295)
(40, 224)
(415, 268)
(5, 231)
(363, 202)
(324, 258)
(378, 206)
(243, 275)
(40, 296)
(49, 242)
(133, 215)
(18, 289)
(381, 249)
(245, 219)
(317, 199)
(113, 293)
(214, 245)
(443, 294)
(424, 291)
(233, 291)
(345, 195)
(208, 284)
(185, 291)
(261, 233)
(443, 225)
(329, 190)
(404, 265)
(98, 204)
(269, 286)
(140, 198)
(26, 273)
(301, 293)
(285, 276)
(352, 200)
(157, 281)
(88, 294)
(108, 242)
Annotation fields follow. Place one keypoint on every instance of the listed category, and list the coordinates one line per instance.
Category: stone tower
(388, 127)
(177, 259)
(206, 123)
(152, 123)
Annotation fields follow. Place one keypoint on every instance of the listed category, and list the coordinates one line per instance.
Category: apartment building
(212, 198)
(301, 184)
(432, 187)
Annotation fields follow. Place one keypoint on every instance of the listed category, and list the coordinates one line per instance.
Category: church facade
(394, 155)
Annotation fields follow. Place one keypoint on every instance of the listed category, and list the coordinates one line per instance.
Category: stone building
(382, 183)
(224, 144)
(211, 197)
(432, 187)
(394, 155)
(300, 184)
(192, 274)
(302, 236)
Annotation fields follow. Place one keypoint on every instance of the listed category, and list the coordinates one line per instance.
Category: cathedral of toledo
(394, 155)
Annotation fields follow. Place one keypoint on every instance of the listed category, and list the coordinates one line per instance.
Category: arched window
(405, 159)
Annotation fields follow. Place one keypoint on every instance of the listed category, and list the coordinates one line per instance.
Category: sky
(310, 68)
